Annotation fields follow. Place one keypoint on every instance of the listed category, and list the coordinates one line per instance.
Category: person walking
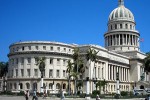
(34, 95)
(62, 95)
(97, 97)
(27, 95)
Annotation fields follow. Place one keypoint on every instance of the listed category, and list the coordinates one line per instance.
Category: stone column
(112, 39)
(108, 72)
(123, 39)
(32, 67)
(121, 74)
(25, 67)
(132, 40)
(19, 67)
(116, 39)
(126, 39)
(115, 69)
(46, 67)
(119, 39)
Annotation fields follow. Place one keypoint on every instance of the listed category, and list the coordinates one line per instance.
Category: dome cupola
(121, 34)
(121, 13)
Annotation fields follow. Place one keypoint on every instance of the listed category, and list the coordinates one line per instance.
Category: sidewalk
(6, 97)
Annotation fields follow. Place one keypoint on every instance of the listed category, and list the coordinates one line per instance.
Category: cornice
(38, 52)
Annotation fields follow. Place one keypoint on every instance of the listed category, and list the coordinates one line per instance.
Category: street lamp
(95, 81)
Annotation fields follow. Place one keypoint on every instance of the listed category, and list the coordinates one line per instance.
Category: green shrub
(124, 93)
(21, 93)
(117, 96)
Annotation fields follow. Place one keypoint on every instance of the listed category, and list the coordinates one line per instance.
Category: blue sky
(69, 21)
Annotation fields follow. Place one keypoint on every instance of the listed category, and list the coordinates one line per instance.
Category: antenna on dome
(121, 2)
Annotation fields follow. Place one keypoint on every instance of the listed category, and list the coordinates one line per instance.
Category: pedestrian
(34, 95)
(44, 94)
(62, 95)
(97, 97)
(27, 95)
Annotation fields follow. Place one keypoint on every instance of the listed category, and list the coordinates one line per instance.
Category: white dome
(121, 13)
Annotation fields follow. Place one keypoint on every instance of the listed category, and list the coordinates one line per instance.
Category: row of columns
(26, 68)
(122, 39)
(112, 88)
(99, 70)
(123, 72)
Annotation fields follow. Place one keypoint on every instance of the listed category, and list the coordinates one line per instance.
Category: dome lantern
(121, 2)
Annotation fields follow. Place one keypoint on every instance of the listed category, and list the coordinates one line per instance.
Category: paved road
(48, 98)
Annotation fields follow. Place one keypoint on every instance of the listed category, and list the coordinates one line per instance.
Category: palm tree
(100, 84)
(82, 69)
(91, 56)
(147, 63)
(69, 71)
(41, 64)
(3, 73)
(76, 58)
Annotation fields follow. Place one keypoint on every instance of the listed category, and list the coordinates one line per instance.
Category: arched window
(64, 86)
(21, 85)
(50, 86)
(57, 86)
(130, 26)
(126, 26)
(27, 85)
(115, 26)
(15, 86)
(10, 85)
(35, 86)
(120, 26)
(111, 27)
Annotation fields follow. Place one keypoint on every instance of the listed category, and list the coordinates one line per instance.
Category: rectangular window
(22, 60)
(22, 72)
(44, 47)
(12, 61)
(58, 61)
(51, 61)
(57, 73)
(64, 62)
(36, 47)
(12, 73)
(29, 47)
(29, 60)
(28, 72)
(23, 48)
(51, 48)
(16, 72)
(58, 48)
(50, 73)
(35, 72)
(16, 60)
(64, 49)
(64, 73)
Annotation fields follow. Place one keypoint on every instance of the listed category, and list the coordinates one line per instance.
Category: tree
(69, 71)
(41, 64)
(82, 69)
(75, 73)
(3, 73)
(91, 56)
(147, 62)
(101, 83)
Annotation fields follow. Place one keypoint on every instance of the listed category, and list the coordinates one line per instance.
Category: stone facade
(121, 54)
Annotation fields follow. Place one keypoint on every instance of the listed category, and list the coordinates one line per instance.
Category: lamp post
(95, 81)
(87, 89)
(117, 79)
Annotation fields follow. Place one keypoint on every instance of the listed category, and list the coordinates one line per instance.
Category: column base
(87, 98)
